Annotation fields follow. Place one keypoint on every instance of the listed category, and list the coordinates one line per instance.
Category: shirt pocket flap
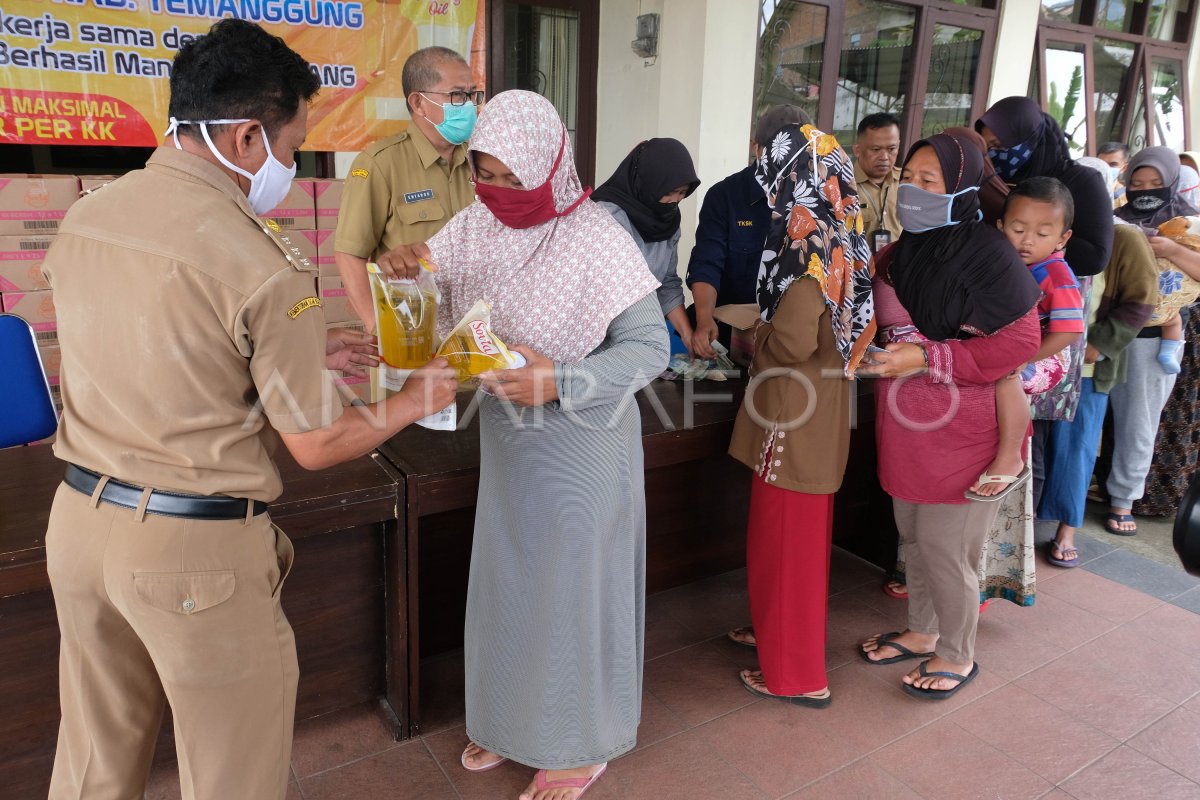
(416, 213)
(185, 592)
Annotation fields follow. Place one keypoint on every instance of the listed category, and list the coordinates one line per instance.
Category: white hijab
(554, 287)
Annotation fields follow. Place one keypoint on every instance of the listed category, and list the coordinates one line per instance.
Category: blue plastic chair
(27, 411)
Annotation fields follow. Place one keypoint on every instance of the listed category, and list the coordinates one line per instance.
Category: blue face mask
(458, 122)
(1010, 159)
(920, 211)
(1114, 177)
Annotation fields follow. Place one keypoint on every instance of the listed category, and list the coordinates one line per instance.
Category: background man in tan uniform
(403, 189)
(878, 177)
(188, 333)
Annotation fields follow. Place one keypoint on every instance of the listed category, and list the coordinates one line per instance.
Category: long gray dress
(556, 600)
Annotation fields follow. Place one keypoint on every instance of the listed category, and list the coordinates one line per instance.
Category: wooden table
(343, 523)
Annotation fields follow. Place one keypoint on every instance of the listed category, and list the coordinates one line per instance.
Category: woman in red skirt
(793, 430)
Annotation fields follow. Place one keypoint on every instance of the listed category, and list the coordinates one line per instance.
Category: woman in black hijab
(1024, 142)
(956, 307)
(643, 195)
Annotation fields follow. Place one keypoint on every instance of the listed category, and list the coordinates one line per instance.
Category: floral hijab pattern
(816, 232)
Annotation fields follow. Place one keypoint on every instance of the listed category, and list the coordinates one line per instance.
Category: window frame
(928, 14)
(1146, 48)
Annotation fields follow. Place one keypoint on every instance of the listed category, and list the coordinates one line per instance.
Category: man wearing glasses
(403, 189)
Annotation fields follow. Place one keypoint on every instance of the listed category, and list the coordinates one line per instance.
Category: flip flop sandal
(1012, 481)
(1117, 519)
(1062, 562)
(940, 694)
(742, 632)
(888, 640)
(582, 784)
(807, 700)
(485, 768)
(890, 592)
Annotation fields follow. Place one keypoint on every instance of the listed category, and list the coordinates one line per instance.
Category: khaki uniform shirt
(878, 202)
(400, 191)
(186, 327)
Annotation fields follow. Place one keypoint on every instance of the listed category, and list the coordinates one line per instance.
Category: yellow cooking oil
(407, 315)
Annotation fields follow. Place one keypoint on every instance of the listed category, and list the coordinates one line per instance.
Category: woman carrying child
(957, 308)
(1152, 178)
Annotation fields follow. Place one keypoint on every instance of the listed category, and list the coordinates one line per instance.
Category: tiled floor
(1092, 694)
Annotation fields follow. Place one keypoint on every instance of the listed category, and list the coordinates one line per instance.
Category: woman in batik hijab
(793, 429)
(556, 599)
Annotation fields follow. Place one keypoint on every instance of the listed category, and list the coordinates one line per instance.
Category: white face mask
(268, 187)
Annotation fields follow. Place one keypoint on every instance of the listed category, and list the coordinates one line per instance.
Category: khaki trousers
(155, 609)
(942, 547)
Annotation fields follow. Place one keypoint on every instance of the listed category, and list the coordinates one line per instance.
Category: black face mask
(665, 210)
(1148, 200)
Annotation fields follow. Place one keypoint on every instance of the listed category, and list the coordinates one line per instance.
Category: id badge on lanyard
(880, 238)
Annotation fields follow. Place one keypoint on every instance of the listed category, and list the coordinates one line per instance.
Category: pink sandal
(582, 784)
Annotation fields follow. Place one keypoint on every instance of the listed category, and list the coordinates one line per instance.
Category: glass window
(1115, 15)
(791, 54)
(950, 86)
(1062, 10)
(1116, 82)
(542, 55)
(1164, 16)
(1166, 110)
(1065, 99)
(875, 64)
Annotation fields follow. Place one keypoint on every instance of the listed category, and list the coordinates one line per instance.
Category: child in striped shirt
(1037, 221)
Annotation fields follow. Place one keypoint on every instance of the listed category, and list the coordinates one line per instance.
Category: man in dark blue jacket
(729, 239)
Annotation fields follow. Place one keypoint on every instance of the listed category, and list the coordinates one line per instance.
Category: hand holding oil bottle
(405, 322)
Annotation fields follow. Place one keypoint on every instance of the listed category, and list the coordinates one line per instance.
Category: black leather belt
(167, 504)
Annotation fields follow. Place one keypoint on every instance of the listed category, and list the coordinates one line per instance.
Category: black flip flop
(1118, 519)
(796, 700)
(888, 639)
(940, 694)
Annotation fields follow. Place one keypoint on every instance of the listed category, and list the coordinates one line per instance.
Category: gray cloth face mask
(920, 211)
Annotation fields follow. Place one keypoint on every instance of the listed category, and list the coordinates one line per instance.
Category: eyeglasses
(461, 98)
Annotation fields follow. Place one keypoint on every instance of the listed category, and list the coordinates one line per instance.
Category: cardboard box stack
(31, 209)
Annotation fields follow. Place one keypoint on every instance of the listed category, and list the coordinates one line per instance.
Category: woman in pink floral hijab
(556, 600)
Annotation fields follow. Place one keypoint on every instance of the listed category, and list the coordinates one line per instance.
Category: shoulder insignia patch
(302, 306)
(359, 173)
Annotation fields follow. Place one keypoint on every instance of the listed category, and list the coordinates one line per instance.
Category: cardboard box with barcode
(31, 204)
(298, 210)
(21, 262)
(319, 248)
(335, 302)
(328, 194)
(36, 308)
(741, 317)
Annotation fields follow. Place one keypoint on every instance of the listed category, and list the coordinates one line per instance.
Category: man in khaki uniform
(403, 189)
(188, 333)
(877, 173)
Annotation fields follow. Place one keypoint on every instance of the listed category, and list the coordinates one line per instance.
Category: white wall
(1016, 39)
(1193, 139)
(699, 90)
